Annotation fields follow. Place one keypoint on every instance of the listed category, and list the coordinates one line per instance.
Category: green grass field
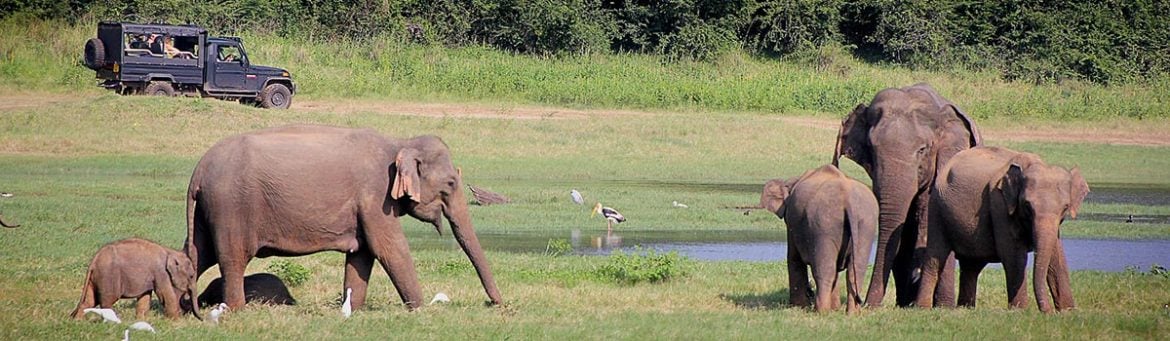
(88, 167)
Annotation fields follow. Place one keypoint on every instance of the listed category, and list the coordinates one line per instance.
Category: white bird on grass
(126, 335)
(440, 298)
(107, 314)
(577, 198)
(611, 215)
(347, 307)
(142, 325)
(679, 205)
(217, 312)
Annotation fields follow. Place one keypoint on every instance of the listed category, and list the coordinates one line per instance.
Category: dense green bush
(643, 265)
(1038, 41)
(291, 273)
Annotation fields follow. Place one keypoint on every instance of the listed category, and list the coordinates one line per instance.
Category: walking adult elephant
(901, 138)
(994, 204)
(302, 189)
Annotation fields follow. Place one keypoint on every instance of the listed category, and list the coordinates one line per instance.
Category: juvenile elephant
(263, 288)
(134, 268)
(995, 205)
(301, 189)
(901, 138)
(831, 222)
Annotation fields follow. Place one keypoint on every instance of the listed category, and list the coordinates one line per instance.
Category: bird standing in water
(611, 216)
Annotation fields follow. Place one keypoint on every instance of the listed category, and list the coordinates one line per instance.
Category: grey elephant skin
(301, 189)
(831, 221)
(995, 205)
(135, 268)
(901, 138)
(263, 288)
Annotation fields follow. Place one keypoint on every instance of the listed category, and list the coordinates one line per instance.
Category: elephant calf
(263, 288)
(832, 220)
(995, 205)
(134, 268)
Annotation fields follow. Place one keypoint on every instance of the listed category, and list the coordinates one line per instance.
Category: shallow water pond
(767, 246)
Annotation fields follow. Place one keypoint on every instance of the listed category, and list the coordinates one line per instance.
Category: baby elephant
(831, 222)
(995, 205)
(133, 268)
(263, 288)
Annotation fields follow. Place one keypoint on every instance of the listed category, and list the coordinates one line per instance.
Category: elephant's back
(973, 169)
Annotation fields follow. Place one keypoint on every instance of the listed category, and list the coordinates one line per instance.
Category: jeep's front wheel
(275, 96)
(160, 88)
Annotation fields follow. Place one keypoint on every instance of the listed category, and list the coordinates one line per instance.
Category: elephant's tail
(189, 246)
(88, 295)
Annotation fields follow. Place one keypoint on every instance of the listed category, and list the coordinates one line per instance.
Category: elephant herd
(937, 195)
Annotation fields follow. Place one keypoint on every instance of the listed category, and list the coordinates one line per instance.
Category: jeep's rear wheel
(95, 54)
(275, 96)
(160, 88)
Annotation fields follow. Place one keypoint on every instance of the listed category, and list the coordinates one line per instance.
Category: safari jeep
(165, 60)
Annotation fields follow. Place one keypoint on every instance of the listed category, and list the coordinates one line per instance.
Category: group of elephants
(298, 190)
(938, 195)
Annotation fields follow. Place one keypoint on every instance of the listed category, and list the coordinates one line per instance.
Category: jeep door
(229, 66)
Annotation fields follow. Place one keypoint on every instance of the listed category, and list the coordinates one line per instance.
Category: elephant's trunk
(1045, 235)
(894, 204)
(194, 300)
(457, 215)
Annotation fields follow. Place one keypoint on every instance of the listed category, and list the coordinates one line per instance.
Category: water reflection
(765, 246)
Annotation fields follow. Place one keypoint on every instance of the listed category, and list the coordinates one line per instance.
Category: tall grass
(43, 55)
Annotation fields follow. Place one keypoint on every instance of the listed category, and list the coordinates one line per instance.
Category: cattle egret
(142, 325)
(126, 335)
(346, 307)
(577, 198)
(611, 216)
(679, 205)
(107, 314)
(217, 312)
(440, 298)
(5, 194)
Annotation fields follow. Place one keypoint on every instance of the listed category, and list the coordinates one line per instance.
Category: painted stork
(611, 216)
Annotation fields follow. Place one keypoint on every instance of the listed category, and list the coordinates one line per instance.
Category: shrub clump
(292, 274)
(643, 265)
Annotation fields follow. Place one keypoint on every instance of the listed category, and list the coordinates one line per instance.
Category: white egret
(107, 314)
(679, 205)
(577, 198)
(217, 312)
(440, 298)
(142, 325)
(611, 215)
(346, 307)
(126, 335)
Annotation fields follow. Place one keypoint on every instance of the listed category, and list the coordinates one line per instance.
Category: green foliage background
(1103, 41)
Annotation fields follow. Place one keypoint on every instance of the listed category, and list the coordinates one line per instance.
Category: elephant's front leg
(388, 244)
(969, 282)
(357, 276)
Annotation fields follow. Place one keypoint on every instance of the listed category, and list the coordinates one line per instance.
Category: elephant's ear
(1010, 186)
(976, 139)
(1079, 188)
(772, 199)
(178, 271)
(853, 139)
(406, 180)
